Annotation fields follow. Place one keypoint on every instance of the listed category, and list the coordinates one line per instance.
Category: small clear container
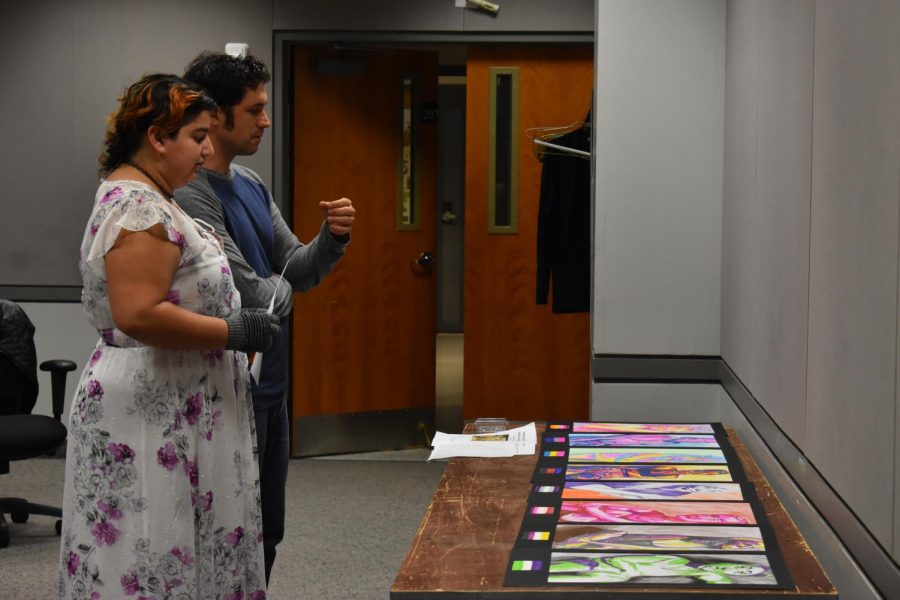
(490, 424)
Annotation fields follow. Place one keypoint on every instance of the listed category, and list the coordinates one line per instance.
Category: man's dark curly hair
(227, 78)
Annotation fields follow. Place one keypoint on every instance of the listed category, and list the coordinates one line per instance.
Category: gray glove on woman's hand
(251, 330)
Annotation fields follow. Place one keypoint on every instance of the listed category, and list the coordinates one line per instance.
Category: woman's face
(185, 153)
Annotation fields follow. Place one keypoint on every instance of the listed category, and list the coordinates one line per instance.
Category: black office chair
(23, 435)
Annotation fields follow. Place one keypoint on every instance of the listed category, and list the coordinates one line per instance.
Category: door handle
(424, 265)
(426, 259)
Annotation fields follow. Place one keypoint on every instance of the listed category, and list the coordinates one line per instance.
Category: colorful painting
(671, 440)
(647, 472)
(647, 455)
(686, 538)
(642, 505)
(698, 513)
(693, 569)
(650, 490)
(642, 428)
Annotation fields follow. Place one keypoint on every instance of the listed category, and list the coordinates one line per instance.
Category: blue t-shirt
(249, 223)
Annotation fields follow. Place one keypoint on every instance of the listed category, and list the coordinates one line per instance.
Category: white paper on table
(524, 434)
(522, 440)
(474, 449)
(256, 367)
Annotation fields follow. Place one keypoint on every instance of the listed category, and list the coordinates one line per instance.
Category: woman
(161, 492)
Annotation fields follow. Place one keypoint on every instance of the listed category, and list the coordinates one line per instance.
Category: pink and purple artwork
(698, 513)
(671, 440)
(647, 455)
(687, 538)
(589, 427)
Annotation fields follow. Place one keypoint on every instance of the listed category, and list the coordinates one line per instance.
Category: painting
(642, 505)
(689, 538)
(684, 569)
(647, 455)
(650, 490)
(659, 440)
(657, 512)
(648, 472)
(589, 427)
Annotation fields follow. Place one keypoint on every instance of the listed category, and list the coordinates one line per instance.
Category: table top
(462, 546)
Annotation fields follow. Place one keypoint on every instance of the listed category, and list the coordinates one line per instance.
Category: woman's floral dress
(162, 486)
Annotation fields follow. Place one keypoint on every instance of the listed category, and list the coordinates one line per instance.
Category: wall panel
(432, 15)
(854, 259)
(739, 189)
(896, 542)
(40, 204)
(69, 64)
(660, 81)
(779, 275)
(350, 15)
(558, 15)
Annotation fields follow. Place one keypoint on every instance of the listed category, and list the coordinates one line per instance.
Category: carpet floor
(349, 525)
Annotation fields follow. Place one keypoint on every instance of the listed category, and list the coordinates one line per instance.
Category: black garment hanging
(564, 228)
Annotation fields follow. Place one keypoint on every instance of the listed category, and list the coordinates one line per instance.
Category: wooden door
(364, 339)
(521, 360)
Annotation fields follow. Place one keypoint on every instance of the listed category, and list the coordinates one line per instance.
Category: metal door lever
(425, 259)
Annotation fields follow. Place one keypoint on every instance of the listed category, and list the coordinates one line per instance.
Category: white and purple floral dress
(162, 487)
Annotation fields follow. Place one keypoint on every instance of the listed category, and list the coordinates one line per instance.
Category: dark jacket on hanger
(564, 228)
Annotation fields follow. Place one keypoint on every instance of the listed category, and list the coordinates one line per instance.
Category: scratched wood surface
(462, 546)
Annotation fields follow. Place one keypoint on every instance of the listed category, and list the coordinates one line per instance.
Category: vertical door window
(407, 196)
(503, 167)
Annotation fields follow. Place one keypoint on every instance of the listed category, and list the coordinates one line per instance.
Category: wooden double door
(363, 372)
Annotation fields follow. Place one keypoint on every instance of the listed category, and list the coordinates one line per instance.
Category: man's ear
(155, 137)
(217, 118)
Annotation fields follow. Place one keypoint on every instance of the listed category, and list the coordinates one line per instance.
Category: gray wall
(810, 235)
(63, 65)
(659, 102)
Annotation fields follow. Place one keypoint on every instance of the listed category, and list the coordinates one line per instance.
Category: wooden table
(462, 546)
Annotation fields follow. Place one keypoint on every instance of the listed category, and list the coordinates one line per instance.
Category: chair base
(19, 510)
(4, 532)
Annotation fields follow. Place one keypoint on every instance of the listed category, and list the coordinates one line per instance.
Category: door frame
(282, 155)
(282, 79)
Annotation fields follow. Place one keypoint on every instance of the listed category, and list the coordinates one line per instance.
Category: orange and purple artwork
(651, 490)
(647, 455)
(698, 513)
(648, 472)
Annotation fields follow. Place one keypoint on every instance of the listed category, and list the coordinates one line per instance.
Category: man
(236, 203)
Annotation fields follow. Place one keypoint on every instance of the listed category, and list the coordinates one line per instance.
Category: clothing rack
(566, 149)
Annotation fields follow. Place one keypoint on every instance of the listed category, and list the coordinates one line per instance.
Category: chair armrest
(58, 369)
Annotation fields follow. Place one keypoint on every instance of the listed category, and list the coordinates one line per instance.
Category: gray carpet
(350, 521)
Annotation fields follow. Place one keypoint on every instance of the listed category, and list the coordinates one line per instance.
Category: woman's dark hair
(166, 101)
(227, 78)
